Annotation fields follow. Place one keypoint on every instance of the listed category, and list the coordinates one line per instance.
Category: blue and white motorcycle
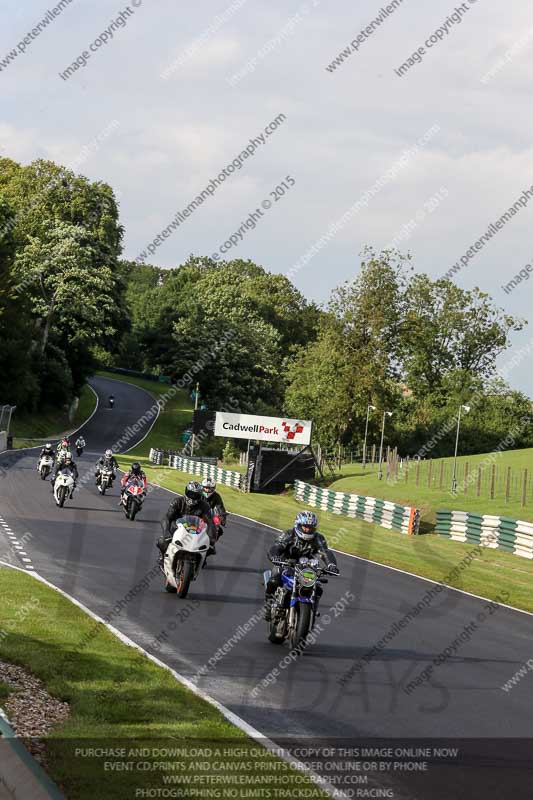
(295, 602)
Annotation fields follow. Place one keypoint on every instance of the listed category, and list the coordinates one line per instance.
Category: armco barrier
(224, 476)
(371, 509)
(500, 533)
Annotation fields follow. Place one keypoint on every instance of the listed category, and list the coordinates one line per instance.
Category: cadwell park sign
(264, 429)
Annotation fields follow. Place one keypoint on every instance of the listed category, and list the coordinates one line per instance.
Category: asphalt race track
(93, 553)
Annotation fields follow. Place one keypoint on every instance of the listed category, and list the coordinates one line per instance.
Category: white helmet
(108, 453)
(209, 486)
(48, 447)
(67, 455)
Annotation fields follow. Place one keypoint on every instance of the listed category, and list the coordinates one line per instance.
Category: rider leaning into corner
(191, 503)
(302, 539)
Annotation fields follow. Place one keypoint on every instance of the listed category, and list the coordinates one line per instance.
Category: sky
(168, 95)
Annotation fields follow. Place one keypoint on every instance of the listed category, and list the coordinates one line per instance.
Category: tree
(450, 330)
(69, 290)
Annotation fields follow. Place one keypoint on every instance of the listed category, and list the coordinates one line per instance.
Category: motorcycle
(111, 402)
(46, 462)
(132, 498)
(63, 487)
(294, 605)
(105, 480)
(185, 554)
(79, 449)
(60, 455)
(219, 520)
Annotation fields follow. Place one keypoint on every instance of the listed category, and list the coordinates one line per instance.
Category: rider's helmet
(68, 457)
(48, 448)
(109, 454)
(193, 493)
(135, 468)
(305, 525)
(64, 443)
(208, 486)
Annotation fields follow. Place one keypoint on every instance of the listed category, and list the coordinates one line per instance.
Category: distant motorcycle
(294, 606)
(132, 498)
(105, 480)
(46, 463)
(111, 401)
(185, 555)
(80, 444)
(63, 487)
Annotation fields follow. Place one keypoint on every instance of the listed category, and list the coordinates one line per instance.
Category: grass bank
(428, 485)
(121, 700)
(50, 423)
(429, 556)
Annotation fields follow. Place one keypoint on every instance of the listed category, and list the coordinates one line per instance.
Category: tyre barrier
(224, 476)
(500, 533)
(392, 516)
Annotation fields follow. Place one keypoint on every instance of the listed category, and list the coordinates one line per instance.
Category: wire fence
(487, 478)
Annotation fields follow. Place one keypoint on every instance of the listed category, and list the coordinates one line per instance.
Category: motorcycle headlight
(307, 577)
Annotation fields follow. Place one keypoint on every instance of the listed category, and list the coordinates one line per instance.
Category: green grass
(173, 419)
(430, 556)
(5, 691)
(117, 698)
(50, 423)
(432, 498)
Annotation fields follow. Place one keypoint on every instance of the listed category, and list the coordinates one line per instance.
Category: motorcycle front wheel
(133, 507)
(44, 473)
(61, 495)
(184, 572)
(303, 624)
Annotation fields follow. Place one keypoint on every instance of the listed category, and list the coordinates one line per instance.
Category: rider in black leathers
(301, 540)
(215, 501)
(47, 450)
(107, 461)
(189, 504)
(66, 463)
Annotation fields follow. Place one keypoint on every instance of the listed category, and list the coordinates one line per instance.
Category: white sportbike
(45, 465)
(186, 554)
(63, 486)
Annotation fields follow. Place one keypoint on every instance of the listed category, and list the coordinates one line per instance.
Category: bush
(231, 452)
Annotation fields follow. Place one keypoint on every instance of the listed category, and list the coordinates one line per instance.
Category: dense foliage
(62, 295)
(392, 338)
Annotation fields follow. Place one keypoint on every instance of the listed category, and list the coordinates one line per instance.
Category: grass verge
(429, 556)
(119, 699)
(49, 423)
(423, 490)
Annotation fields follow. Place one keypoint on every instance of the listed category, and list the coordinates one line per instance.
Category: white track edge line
(377, 563)
(239, 723)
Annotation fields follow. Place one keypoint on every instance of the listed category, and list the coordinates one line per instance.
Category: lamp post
(368, 410)
(193, 437)
(454, 479)
(380, 472)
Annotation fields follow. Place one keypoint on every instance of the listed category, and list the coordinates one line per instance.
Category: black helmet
(193, 493)
(136, 468)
